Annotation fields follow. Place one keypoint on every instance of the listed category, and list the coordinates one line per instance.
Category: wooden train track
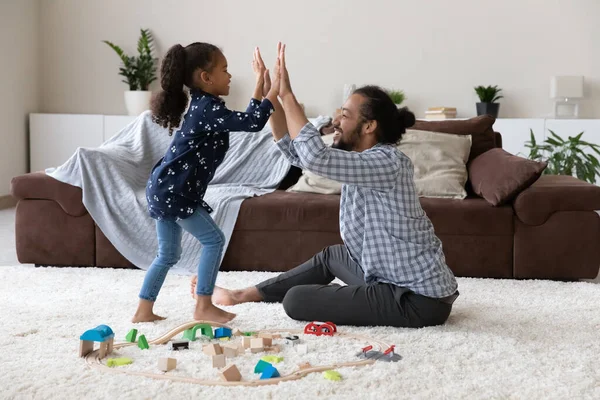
(94, 361)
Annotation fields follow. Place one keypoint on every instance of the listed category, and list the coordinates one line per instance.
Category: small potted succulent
(488, 97)
(139, 72)
(397, 97)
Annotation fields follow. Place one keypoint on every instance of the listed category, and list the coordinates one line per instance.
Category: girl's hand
(258, 66)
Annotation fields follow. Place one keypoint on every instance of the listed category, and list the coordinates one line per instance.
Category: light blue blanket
(113, 180)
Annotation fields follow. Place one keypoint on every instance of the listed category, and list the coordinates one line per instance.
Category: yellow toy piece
(332, 375)
(272, 359)
(116, 362)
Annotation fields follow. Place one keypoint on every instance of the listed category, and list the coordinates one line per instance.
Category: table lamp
(566, 92)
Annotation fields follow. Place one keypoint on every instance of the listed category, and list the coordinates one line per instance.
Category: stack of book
(437, 113)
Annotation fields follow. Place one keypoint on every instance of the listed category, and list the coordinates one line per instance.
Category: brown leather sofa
(549, 231)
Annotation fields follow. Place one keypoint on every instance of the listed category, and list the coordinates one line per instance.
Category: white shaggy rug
(504, 340)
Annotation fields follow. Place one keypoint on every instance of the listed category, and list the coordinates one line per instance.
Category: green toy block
(205, 330)
(248, 333)
(143, 343)
(115, 362)
(332, 375)
(131, 336)
(260, 366)
(272, 359)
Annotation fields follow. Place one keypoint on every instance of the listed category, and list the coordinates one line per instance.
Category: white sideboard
(54, 138)
(516, 131)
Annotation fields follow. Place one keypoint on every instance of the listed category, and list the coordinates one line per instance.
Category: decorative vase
(137, 101)
(488, 108)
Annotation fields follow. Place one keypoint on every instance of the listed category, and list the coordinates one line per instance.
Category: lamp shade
(566, 87)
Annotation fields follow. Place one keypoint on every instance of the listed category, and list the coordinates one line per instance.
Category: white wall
(435, 50)
(19, 84)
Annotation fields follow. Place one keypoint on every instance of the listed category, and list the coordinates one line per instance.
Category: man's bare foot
(146, 318)
(228, 297)
(212, 313)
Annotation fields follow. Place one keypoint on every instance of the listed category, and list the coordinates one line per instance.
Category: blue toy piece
(101, 333)
(222, 333)
(261, 366)
(270, 372)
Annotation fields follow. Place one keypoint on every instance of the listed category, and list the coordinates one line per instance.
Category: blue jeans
(202, 227)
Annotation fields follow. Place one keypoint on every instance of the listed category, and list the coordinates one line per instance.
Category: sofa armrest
(554, 193)
(38, 185)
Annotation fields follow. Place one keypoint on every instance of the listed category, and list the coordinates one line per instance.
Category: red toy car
(320, 328)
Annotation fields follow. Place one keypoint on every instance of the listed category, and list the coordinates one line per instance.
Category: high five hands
(280, 84)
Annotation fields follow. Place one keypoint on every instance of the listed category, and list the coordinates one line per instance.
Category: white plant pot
(137, 101)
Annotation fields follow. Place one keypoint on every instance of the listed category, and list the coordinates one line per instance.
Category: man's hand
(285, 88)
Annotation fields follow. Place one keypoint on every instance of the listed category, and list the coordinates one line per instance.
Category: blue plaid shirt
(381, 220)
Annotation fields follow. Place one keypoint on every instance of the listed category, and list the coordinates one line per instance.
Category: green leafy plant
(397, 96)
(566, 157)
(488, 94)
(139, 72)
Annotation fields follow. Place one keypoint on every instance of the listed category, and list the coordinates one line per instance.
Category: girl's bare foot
(146, 318)
(145, 312)
(207, 311)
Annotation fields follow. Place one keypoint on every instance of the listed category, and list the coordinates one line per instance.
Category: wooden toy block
(241, 349)
(267, 342)
(143, 343)
(230, 374)
(301, 348)
(276, 336)
(85, 347)
(176, 345)
(212, 349)
(105, 348)
(115, 362)
(304, 365)
(218, 361)
(230, 350)
(167, 364)
(236, 332)
(265, 335)
(273, 349)
(131, 335)
(247, 342)
(257, 345)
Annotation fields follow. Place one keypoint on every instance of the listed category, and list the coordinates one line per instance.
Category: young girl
(179, 180)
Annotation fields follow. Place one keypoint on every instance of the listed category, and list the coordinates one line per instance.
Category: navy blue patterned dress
(178, 181)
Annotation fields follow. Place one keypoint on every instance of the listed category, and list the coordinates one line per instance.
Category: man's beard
(351, 144)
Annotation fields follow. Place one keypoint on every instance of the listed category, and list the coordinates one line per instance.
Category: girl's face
(218, 79)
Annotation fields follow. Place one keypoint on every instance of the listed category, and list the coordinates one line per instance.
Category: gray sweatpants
(307, 295)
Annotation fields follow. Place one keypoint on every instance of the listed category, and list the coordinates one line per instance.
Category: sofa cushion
(480, 129)
(471, 216)
(499, 176)
(439, 161)
(283, 211)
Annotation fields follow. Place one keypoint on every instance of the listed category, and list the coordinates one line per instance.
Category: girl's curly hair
(177, 70)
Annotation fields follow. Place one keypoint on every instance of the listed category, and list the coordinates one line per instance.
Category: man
(391, 261)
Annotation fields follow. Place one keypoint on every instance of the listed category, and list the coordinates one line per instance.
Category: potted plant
(488, 96)
(139, 72)
(397, 96)
(566, 157)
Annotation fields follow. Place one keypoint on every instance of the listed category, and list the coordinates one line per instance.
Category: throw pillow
(313, 183)
(439, 161)
(499, 176)
(479, 128)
